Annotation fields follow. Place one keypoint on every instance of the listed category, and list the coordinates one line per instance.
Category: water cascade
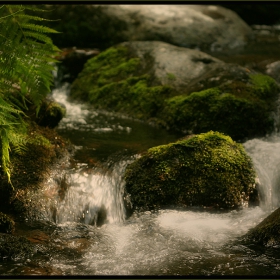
(165, 242)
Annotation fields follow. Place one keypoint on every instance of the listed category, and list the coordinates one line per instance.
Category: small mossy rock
(7, 225)
(207, 170)
(15, 248)
(50, 114)
(179, 88)
(267, 232)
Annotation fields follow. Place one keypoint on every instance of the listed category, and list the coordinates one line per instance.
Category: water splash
(91, 197)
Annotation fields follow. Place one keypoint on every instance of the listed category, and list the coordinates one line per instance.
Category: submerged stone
(180, 89)
(206, 170)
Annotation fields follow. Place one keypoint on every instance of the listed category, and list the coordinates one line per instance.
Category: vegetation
(207, 170)
(26, 62)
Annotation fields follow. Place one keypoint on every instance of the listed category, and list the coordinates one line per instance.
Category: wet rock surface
(267, 232)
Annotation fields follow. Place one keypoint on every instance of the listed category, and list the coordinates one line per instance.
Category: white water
(266, 157)
(152, 243)
(89, 193)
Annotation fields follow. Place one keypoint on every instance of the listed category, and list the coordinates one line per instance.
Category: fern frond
(38, 28)
(26, 64)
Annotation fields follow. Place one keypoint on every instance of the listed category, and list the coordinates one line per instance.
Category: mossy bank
(180, 89)
(205, 170)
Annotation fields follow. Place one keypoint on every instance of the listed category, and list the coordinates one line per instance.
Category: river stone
(204, 26)
(207, 27)
(208, 170)
(267, 232)
(179, 88)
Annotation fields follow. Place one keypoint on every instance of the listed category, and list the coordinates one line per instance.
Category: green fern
(26, 61)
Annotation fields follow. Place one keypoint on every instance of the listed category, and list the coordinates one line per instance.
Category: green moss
(132, 96)
(56, 109)
(38, 139)
(216, 110)
(113, 81)
(208, 170)
(7, 225)
(264, 86)
(171, 77)
(112, 65)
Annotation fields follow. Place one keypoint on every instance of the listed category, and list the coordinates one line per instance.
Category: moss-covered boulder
(267, 232)
(207, 170)
(7, 225)
(243, 111)
(179, 88)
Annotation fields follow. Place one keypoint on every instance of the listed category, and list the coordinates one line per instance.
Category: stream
(86, 230)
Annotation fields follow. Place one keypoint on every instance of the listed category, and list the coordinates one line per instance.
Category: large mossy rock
(179, 88)
(267, 232)
(101, 26)
(207, 170)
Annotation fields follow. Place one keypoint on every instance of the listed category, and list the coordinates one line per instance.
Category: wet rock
(202, 26)
(267, 232)
(51, 113)
(15, 248)
(206, 170)
(179, 88)
(96, 216)
(7, 225)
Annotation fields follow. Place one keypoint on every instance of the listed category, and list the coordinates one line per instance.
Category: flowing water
(86, 231)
